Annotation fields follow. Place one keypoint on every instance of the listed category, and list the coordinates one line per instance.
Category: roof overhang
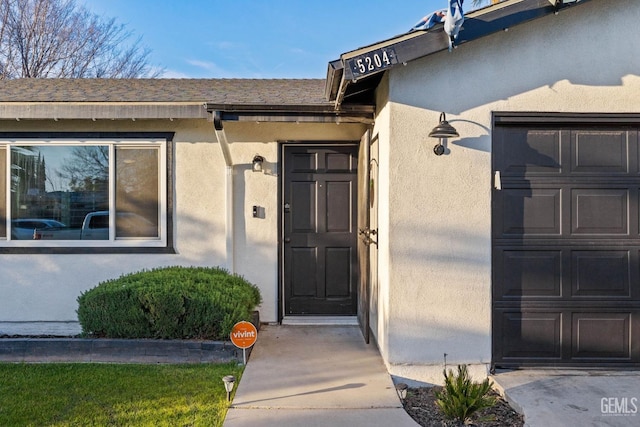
(100, 111)
(325, 113)
(354, 76)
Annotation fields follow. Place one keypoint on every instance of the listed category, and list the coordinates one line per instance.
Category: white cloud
(205, 65)
(226, 45)
(173, 74)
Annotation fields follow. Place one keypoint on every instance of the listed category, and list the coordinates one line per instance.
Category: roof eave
(335, 70)
(305, 113)
(100, 111)
(414, 45)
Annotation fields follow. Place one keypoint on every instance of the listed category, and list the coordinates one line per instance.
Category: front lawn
(77, 394)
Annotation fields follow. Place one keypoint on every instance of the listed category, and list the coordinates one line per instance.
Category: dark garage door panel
(566, 273)
(542, 151)
(576, 210)
(544, 337)
(566, 247)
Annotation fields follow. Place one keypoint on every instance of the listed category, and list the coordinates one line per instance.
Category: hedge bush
(168, 303)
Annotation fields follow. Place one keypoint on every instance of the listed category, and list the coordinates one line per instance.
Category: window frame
(162, 140)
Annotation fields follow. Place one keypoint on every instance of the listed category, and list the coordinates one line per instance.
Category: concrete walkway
(562, 398)
(315, 376)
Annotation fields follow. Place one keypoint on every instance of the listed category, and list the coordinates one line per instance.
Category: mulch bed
(420, 404)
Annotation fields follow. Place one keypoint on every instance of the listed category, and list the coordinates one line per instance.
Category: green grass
(76, 394)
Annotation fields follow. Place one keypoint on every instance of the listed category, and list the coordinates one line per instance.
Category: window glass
(137, 196)
(83, 193)
(53, 189)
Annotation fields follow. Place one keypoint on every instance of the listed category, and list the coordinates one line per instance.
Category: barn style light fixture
(229, 381)
(442, 131)
(256, 163)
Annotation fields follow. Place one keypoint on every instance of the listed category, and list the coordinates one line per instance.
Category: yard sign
(244, 335)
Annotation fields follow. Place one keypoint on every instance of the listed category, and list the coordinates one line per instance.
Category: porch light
(256, 164)
(229, 381)
(442, 131)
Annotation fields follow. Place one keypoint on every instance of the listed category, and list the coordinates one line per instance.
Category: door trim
(365, 234)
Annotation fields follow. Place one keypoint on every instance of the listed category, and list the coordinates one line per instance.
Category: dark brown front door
(566, 244)
(319, 229)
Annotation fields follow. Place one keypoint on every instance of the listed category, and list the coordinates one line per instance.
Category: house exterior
(518, 246)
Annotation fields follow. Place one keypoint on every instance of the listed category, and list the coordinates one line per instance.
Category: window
(83, 193)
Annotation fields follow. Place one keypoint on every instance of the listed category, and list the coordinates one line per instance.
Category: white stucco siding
(380, 220)
(439, 255)
(199, 196)
(439, 263)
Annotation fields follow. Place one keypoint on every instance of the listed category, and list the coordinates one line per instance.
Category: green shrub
(461, 397)
(168, 303)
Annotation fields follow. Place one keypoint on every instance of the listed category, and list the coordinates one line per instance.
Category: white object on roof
(430, 20)
(453, 21)
(557, 2)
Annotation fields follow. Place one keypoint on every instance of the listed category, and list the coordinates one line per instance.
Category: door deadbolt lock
(367, 232)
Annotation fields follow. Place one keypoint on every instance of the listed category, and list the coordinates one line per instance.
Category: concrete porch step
(320, 320)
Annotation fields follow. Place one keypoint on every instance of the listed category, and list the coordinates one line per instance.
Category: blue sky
(259, 38)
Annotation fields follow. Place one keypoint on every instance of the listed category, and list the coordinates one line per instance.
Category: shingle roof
(214, 91)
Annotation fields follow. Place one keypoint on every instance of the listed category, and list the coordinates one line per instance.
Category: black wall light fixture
(256, 163)
(442, 131)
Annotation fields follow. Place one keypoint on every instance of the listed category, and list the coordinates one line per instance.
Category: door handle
(287, 240)
(366, 234)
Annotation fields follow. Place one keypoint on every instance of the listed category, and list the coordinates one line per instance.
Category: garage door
(566, 242)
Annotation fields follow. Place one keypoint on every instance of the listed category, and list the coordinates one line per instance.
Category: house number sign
(372, 62)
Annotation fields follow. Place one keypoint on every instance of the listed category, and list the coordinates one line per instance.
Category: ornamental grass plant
(461, 397)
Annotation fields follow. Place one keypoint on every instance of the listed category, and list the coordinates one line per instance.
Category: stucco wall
(379, 261)
(39, 291)
(439, 237)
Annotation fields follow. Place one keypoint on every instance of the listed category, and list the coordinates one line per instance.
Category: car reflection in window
(23, 229)
(128, 224)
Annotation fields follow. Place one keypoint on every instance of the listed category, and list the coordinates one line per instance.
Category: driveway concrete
(315, 376)
(564, 398)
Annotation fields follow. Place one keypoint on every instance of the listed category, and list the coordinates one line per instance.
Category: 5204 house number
(372, 62)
